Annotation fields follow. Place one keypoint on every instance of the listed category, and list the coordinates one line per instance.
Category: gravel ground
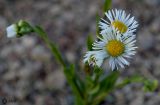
(28, 71)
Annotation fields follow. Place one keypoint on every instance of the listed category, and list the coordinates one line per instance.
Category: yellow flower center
(122, 28)
(115, 48)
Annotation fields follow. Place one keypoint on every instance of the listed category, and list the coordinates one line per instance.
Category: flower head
(113, 46)
(119, 21)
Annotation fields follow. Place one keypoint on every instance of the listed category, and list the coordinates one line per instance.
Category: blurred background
(28, 71)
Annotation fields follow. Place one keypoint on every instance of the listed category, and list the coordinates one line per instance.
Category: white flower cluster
(117, 40)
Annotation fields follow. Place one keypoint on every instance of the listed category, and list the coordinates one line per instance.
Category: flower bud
(12, 31)
(19, 29)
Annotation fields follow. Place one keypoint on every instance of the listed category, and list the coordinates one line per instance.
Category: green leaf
(94, 89)
(70, 80)
(74, 81)
(97, 73)
(79, 101)
(89, 42)
(108, 83)
(70, 72)
(132, 79)
(56, 53)
(107, 5)
(150, 85)
(89, 82)
(136, 78)
(80, 85)
(98, 70)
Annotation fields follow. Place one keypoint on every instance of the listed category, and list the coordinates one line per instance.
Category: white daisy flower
(114, 47)
(119, 21)
(95, 57)
(11, 31)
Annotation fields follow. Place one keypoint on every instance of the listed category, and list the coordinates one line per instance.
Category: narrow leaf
(94, 89)
(150, 85)
(108, 83)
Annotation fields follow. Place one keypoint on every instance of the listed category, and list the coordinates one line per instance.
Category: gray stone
(55, 80)
(145, 40)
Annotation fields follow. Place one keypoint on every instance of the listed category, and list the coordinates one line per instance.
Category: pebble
(11, 75)
(40, 53)
(152, 2)
(70, 56)
(138, 100)
(145, 40)
(55, 80)
(28, 42)
(155, 26)
(3, 22)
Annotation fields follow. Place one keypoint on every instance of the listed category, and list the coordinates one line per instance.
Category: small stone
(23, 84)
(40, 100)
(6, 51)
(55, 9)
(55, 80)
(154, 100)
(145, 40)
(138, 100)
(19, 49)
(8, 89)
(41, 5)
(40, 53)
(39, 85)
(119, 98)
(155, 26)
(21, 94)
(152, 2)
(25, 73)
(156, 62)
(70, 56)
(10, 75)
(28, 41)
(14, 65)
(3, 22)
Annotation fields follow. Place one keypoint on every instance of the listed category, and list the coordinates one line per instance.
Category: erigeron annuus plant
(116, 43)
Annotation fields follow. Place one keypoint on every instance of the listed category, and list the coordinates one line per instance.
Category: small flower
(119, 21)
(11, 31)
(94, 57)
(114, 47)
(19, 29)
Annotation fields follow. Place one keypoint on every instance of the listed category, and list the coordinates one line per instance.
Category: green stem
(70, 77)
(110, 82)
(50, 44)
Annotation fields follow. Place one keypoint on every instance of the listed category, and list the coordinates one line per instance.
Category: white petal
(11, 31)
(98, 56)
(112, 63)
